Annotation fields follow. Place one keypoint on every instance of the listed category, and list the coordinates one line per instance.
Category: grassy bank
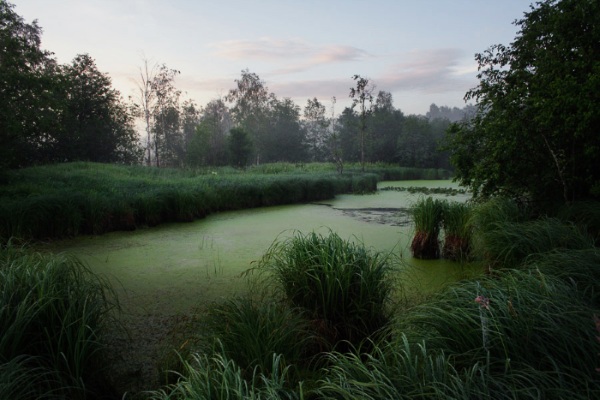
(85, 198)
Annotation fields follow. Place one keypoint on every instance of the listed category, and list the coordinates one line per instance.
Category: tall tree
(362, 96)
(146, 99)
(285, 137)
(209, 143)
(95, 123)
(240, 147)
(386, 127)
(316, 124)
(28, 83)
(251, 100)
(536, 132)
(168, 141)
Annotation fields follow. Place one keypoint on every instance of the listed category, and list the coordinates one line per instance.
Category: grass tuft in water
(427, 215)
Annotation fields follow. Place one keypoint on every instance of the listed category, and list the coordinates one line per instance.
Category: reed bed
(86, 198)
(53, 313)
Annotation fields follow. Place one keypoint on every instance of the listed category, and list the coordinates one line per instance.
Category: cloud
(429, 71)
(302, 55)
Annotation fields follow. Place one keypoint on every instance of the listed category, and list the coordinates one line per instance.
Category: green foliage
(53, 312)
(240, 147)
(252, 330)
(522, 334)
(344, 288)
(535, 135)
(217, 377)
(427, 215)
(457, 231)
(76, 198)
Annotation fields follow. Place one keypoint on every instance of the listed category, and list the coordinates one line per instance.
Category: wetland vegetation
(308, 313)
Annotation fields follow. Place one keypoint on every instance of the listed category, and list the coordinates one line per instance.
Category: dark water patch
(384, 216)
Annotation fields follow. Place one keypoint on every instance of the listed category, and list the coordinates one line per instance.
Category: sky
(421, 51)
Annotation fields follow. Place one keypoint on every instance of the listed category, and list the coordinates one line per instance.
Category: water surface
(171, 268)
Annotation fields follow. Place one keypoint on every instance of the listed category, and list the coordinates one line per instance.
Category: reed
(427, 215)
(521, 334)
(508, 244)
(53, 312)
(216, 376)
(85, 198)
(457, 231)
(251, 330)
(344, 288)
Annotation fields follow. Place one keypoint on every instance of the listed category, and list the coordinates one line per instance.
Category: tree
(209, 143)
(386, 126)
(146, 99)
(168, 141)
(240, 147)
(284, 140)
(315, 124)
(95, 124)
(535, 136)
(250, 109)
(28, 82)
(362, 95)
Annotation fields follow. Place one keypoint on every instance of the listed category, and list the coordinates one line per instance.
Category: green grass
(457, 231)
(65, 200)
(53, 312)
(427, 214)
(530, 335)
(344, 288)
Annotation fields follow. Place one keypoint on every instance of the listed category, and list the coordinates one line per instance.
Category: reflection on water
(172, 267)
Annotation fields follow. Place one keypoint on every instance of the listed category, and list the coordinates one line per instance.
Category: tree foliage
(535, 136)
(54, 113)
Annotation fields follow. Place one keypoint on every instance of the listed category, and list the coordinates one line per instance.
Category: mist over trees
(58, 113)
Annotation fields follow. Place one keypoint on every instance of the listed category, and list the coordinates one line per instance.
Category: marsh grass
(343, 287)
(252, 329)
(457, 231)
(86, 198)
(215, 376)
(427, 214)
(53, 312)
(521, 334)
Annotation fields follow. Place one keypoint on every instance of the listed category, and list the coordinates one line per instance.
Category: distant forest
(59, 113)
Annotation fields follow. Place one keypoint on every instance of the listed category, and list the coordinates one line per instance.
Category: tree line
(59, 113)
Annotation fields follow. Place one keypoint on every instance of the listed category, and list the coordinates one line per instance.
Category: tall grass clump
(508, 244)
(215, 376)
(344, 289)
(252, 330)
(457, 231)
(53, 311)
(427, 216)
(518, 335)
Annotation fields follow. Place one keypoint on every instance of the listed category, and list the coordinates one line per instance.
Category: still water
(173, 267)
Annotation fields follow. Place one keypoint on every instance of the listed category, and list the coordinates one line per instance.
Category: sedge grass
(427, 216)
(519, 335)
(344, 288)
(457, 231)
(252, 329)
(215, 376)
(53, 312)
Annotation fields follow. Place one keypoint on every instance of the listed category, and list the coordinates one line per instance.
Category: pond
(173, 267)
(162, 274)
